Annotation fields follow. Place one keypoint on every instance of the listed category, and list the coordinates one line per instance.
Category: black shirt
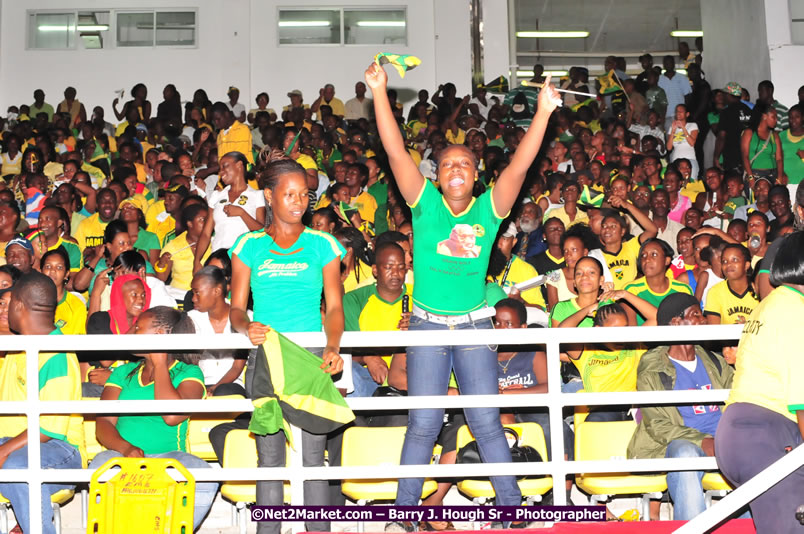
(733, 120)
(543, 264)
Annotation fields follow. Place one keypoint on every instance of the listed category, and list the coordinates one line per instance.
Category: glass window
(175, 28)
(309, 27)
(93, 29)
(135, 29)
(375, 26)
(797, 22)
(51, 30)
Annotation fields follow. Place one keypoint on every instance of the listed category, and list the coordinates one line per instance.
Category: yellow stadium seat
(714, 485)
(240, 450)
(57, 500)
(609, 441)
(581, 412)
(198, 430)
(375, 446)
(530, 434)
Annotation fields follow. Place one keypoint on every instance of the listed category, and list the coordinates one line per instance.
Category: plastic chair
(198, 428)
(240, 450)
(56, 500)
(378, 447)
(609, 441)
(714, 485)
(141, 496)
(530, 434)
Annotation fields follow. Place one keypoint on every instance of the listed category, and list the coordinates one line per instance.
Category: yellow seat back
(603, 441)
(240, 449)
(372, 445)
(141, 497)
(198, 428)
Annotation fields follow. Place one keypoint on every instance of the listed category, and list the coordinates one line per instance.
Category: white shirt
(681, 148)
(354, 109)
(214, 364)
(237, 109)
(228, 229)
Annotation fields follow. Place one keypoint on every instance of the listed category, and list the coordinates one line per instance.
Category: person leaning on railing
(454, 237)
(764, 416)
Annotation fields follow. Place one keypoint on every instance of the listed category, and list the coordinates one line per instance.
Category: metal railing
(554, 400)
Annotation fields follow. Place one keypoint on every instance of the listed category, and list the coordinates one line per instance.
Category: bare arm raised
(406, 173)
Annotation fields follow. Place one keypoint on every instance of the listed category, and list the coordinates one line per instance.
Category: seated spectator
(356, 264)
(552, 258)
(210, 315)
(90, 231)
(177, 259)
(507, 270)
(569, 213)
(667, 431)
(52, 228)
(5, 299)
(158, 376)
(20, 254)
(31, 311)
(325, 220)
(529, 239)
(142, 240)
(621, 255)
(71, 310)
(575, 245)
(377, 307)
(732, 300)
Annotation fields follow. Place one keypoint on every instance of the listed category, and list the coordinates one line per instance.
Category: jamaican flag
(290, 387)
(401, 62)
(590, 199)
(609, 83)
(497, 85)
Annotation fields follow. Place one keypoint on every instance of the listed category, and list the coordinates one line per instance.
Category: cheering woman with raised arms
(287, 264)
(454, 237)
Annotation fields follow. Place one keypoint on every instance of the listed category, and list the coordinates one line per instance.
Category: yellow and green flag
(609, 83)
(590, 199)
(401, 62)
(497, 85)
(289, 386)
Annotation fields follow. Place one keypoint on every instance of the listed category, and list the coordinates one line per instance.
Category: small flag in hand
(401, 62)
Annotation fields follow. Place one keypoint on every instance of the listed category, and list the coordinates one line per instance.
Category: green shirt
(732, 204)
(150, 432)
(379, 191)
(146, 241)
(73, 252)
(793, 164)
(364, 309)
(452, 252)
(639, 287)
(565, 309)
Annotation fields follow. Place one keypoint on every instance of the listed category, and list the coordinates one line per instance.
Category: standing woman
(764, 416)
(236, 209)
(299, 263)
(761, 147)
(139, 101)
(454, 237)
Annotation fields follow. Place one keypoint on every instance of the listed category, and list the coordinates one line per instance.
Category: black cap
(674, 306)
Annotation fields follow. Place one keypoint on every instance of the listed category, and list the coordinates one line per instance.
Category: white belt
(454, 320)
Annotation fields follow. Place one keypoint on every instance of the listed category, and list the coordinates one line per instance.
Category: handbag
(469, 454)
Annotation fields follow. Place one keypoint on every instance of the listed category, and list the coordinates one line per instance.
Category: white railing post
(555, 411)
(297, 476)
(33, 413)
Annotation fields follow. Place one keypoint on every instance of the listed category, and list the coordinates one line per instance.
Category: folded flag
(590, 199)
(290, 387)
(401, 62)
(497, 85)
(609, 83)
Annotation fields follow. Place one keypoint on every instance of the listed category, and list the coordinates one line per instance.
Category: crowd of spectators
(664, 201)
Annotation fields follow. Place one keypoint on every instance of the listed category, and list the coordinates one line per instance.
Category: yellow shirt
(769, 363)
(457, 138)
(521, 271)
(162, 226)
(728, 305)
(90, 232)
(139, 201)
(59, 380)
(366, 205)
(307, 162)
(183, 257)
(623, 265)
(153, 211)
(337, 107)
(692, 189)
(604, 370)
(236, 139)
(71, 315)
(142, 177)
(561, 214)
(366, 278)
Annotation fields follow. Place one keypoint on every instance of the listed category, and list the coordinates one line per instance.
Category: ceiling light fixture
(553, 35)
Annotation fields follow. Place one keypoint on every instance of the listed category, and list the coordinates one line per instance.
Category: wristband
(88, 267)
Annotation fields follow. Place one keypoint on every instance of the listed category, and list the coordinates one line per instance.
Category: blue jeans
(204, 491)
(56, 454)
(685, 486)
(428, 370)
(365, 386)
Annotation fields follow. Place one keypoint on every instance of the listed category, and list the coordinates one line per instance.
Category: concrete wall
(496, 55)
(736, 43)
(237, 44)
(787, 72)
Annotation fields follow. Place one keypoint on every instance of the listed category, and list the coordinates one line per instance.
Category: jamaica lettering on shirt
(732, 308)
(283, 277)
(623, 263)
(453, 251)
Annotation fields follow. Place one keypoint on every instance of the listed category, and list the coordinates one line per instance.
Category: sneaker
(400, 526)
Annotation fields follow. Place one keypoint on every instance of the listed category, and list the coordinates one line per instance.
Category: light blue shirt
(676, 88)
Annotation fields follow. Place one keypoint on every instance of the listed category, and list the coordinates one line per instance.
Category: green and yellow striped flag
(497, 85)
(401, 62)
(608, 83)
(289, 386)
(590, 199)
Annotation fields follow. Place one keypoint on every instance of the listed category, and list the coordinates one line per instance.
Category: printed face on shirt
(461, 242)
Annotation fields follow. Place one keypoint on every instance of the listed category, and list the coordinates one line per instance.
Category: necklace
(507, 363)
